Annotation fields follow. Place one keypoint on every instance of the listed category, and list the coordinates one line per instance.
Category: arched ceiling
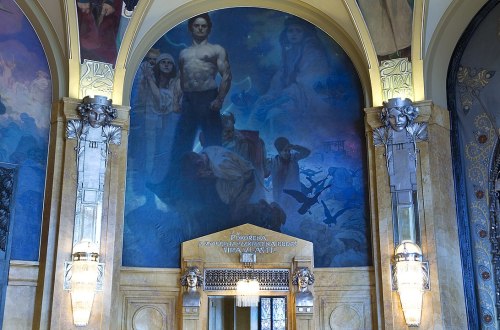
(52, 36)
(444, 38)
(332, 17)
(444, 22)
(334, 9)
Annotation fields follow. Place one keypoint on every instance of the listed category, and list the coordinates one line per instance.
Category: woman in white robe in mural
(151, 121)
(160, 118)
(292, 98)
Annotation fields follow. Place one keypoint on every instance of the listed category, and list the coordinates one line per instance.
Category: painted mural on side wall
(98, 24)
(25, 104)
(102, 25)
(246, 115)
(475, 104)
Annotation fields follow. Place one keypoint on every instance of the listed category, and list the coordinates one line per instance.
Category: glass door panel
(273, 313)
(223, 314)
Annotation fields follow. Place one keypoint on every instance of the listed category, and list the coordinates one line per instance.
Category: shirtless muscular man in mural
(202, 100)
(198, 99)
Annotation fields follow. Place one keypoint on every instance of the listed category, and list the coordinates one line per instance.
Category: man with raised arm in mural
(202, 99)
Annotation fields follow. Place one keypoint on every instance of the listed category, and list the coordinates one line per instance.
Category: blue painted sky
(25, 96)
(322, 112)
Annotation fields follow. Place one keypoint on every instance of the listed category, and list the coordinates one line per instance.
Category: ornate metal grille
(6, 188)
(225, 279)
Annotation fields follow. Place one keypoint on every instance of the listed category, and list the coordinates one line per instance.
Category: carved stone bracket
(399, 136)
(94, 134)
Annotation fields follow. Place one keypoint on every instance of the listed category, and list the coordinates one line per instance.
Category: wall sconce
(83, 277)
(247, 289)
(410, 277)
(93, 133)
(83, 286)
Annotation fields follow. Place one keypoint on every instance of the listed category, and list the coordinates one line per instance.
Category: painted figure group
(207, 165)
(181, 112)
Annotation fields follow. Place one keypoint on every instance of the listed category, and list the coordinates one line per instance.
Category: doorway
(270, 314)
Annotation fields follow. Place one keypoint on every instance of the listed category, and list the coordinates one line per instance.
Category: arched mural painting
(287, 154)
(25, 105)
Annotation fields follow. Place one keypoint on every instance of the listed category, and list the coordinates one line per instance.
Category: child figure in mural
(285, 169)
(98, 22)
(291, 99)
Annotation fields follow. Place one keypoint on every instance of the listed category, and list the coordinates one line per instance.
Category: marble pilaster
(57, 231)
(438, 225)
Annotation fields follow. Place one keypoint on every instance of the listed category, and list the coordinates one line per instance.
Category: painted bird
(306, 202)
(332, 219)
